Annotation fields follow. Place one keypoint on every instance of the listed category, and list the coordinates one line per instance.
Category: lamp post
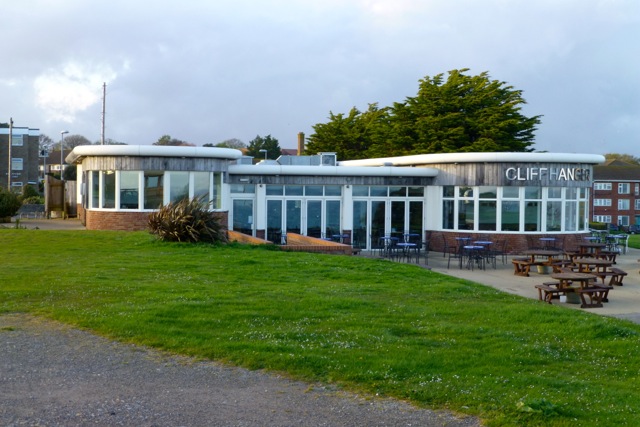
(61, 152)
(265, 153)
(64, 201)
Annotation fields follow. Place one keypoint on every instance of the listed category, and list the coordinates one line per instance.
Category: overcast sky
(207, 71)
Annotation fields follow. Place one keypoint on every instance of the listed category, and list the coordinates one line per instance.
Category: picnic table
(587, 286)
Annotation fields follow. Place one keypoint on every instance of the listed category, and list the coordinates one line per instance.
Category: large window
(624, 204)
(16, 164)
(516, 209)
(624, 188)
(601, 202)
(602, 186)
(133, 190)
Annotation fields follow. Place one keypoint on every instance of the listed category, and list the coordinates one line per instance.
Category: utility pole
(10, 162)
(104, 101)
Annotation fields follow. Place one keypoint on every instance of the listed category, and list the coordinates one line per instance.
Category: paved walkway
(624, 301)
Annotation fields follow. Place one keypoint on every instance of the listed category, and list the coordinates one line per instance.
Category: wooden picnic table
(587, 285)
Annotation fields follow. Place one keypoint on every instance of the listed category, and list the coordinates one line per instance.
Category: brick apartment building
(615, 197)
(24, 156)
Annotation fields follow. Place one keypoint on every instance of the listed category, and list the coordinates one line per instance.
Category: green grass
(362, 324)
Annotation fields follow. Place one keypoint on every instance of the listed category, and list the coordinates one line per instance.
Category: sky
(209, 71)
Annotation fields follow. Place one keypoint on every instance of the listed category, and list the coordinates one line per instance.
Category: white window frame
(602, 218)
(17, 164)
(624, 204)
(601, 202)
(623, 220)
(602, 186)
(624, 188)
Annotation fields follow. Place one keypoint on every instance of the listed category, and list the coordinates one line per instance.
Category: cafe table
(591, 247)
(549, 253)
(584, 282)
(547, 242)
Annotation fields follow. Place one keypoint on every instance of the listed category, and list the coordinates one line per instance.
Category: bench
(615, 275)
(595, 295)
(550, 291)
(522, 266)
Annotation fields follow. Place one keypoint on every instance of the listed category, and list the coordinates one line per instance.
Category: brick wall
(121, 220)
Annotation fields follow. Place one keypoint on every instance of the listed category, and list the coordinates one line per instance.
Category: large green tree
(268, 143)
(460, 114)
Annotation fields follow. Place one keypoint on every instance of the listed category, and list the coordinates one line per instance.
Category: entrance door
(243, 216)
(274, 221)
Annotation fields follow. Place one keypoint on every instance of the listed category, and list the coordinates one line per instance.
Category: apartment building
(20, 155)
(615, 195)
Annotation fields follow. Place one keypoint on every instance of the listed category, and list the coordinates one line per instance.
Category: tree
(167, 140)
(627, 158)
(230, 143)
(267, 143)
(109, 141)
(462, 114)
(72, 141)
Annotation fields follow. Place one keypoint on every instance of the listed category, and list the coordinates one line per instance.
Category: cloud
(62, 94)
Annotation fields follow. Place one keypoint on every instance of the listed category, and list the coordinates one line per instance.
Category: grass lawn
(363, 324)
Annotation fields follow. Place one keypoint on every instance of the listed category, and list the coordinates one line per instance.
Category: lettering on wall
(552, 174)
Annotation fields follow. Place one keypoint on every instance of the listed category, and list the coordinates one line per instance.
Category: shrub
(188, 220)
(9, 203)
(28, 191)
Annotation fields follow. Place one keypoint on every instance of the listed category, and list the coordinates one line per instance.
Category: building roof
(616, 172)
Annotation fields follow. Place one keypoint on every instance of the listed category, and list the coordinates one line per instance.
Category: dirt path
(54, 375)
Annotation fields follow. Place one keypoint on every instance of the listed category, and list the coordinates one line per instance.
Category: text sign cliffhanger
(552, 174)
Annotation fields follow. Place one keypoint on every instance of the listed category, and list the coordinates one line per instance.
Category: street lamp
(61, 152)
(265, 153)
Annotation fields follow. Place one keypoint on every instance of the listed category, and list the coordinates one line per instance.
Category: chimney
(300, 143)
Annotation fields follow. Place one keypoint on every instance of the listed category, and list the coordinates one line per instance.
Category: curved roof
(331, 170)
(426, 159)
(82, 151)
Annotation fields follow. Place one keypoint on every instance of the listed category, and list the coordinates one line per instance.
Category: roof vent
(327, 159)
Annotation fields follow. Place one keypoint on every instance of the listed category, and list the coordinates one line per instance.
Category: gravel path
(54, 375)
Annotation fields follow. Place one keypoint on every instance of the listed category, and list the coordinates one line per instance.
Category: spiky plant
(188, 220)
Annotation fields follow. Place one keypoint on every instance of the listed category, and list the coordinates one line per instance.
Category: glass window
(201, 185)
(129, 190)
(243, 216)
(624, 204)
(447, 214)
(488, 192)
(487, 211)
(314, 218)
(333, 217)
(532, 192)
(109, 189)
(623, 220)
(601, 202)
(511, 192)
(604, 186)
(238, 188)
(554, 216)
(95, 189)
(313, 190)
(360, 191)
(624, 188)
(17, 140)
(416, 191)
(275, 190)
(179, 186)
(466, 218)
(216, 200)
(570, 216)
(510, 216)
(378, 191)
(153, 189)
(448, 191)
(294, 190)
(554, 193)
(398, 191)
(333, 190)
(16, 164)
